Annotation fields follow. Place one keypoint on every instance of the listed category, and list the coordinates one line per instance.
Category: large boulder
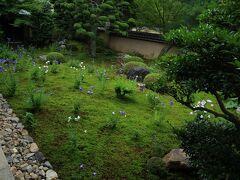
(137, 73)
(176, 159)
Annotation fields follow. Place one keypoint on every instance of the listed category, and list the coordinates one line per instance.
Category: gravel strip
(23, 155)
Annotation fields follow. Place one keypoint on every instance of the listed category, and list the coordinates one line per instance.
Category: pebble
(22, 154)
(34, 147)
(50, 175)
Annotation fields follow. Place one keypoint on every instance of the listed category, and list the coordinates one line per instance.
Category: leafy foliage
(206, 63)
(213, 148)
(29, 121)
(123, 87)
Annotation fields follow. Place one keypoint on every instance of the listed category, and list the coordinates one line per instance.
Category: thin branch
(216, 114)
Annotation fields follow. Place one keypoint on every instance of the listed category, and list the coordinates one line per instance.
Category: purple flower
(162, 104)
(94, 173)
(122, 113)
(3, 61)
(82, 166)
(89, 92)
(80, 88)
(171, 103)
(1, 69)
(92, 88)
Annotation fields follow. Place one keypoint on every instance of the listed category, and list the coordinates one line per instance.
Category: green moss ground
(112, 154)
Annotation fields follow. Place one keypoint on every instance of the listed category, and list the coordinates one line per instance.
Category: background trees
(84, 17)
(163, 15)
(24, 20)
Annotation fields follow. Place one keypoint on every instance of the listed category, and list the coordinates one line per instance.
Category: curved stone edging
(22, 154)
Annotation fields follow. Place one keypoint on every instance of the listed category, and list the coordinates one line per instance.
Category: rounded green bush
(55, 56)
(133, 64)
(134, 58)
(151, 80)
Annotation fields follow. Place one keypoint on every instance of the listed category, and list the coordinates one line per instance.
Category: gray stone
(40, 157)
(47, 164)
(29, 155)
(29, 169)
(19, 126)
(28, 139)
(137, 73)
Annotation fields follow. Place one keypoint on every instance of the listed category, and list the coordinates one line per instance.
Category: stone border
(22, 154)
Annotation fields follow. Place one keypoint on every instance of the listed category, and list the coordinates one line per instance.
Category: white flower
(201, 116)
(113, 113)
(212, 105)
(24, 12)
(209, 101)
(85, 131)
(191, 113)
(39, 67)
(209, 116)
(203, 102)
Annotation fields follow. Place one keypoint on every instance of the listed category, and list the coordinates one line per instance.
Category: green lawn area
(113, 153)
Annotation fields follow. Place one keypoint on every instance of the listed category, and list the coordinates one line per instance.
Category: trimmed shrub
(213, 147)
(134, 64)
(55, 57)
(133, 58)
(123, 87)
(151, 80)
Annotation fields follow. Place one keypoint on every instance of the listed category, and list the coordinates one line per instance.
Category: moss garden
(80, 122)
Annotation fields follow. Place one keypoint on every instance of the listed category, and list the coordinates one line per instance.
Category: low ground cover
(85, 130)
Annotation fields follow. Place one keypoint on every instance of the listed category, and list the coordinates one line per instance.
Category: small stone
(47, 164)
(24, 132)
(33, 176)
(23, 165)
(15, 160)
(15, 119)
(8, 130)
(42, 173)
(39, 157)
(19, 126)
(14, 150)
(51, 175)
(19, 175)
(34, 147)
(9, 111)
(29, 169)
(28, 139)
(13, 169)
(29, 155)
(9, 159)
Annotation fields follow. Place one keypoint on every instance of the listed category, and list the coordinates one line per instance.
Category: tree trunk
(93, 47)
(93, 43)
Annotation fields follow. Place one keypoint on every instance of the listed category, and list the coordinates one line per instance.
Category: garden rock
(137, 73)
(176, 159)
